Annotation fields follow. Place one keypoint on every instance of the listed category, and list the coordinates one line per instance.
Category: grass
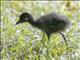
(24, 42)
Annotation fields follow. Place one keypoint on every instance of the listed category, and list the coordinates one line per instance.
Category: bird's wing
(48, 20)
(51, 22)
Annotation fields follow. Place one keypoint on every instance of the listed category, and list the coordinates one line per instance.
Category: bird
(49, 23)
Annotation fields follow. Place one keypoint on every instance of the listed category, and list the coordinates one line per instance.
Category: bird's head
(25, 17)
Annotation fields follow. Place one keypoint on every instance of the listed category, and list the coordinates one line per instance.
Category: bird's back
(52, 22)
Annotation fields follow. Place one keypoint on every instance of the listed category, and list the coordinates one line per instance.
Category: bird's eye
(26, 18)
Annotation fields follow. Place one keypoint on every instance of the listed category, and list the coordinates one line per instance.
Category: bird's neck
(32, 22)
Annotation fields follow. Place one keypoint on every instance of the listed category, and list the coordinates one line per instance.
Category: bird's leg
(63, 37)
(48, 37)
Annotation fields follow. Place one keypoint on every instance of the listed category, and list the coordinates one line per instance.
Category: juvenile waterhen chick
(50, 23)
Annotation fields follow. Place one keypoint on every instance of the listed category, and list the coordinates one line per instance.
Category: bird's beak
(17, 22)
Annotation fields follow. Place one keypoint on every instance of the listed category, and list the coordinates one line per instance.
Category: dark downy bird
(50, 23)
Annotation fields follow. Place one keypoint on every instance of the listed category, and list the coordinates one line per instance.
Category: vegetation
(24, 42)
